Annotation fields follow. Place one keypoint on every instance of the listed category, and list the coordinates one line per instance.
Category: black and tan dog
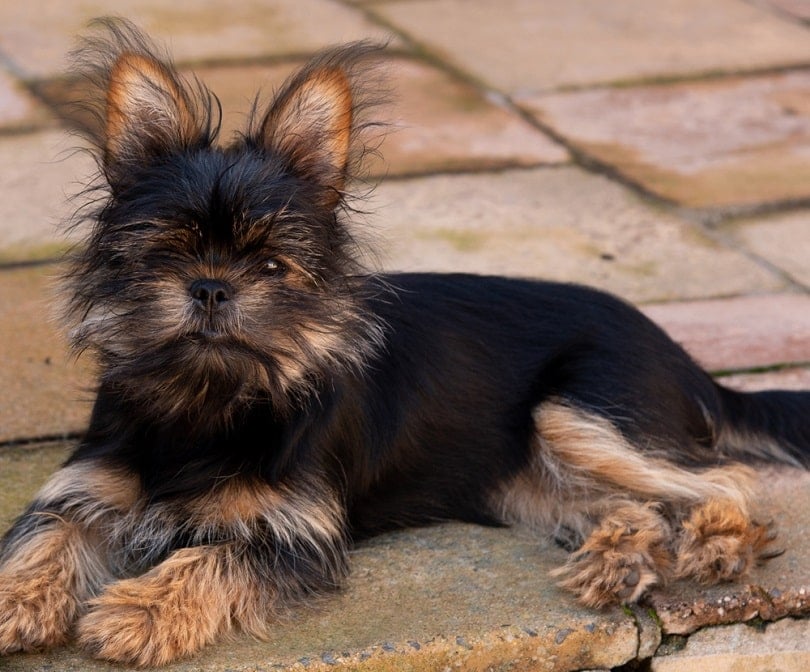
(263, 402)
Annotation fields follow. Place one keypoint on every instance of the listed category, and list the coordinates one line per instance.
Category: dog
(264, 402)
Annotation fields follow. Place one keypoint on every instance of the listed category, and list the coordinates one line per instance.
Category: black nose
(210, 294)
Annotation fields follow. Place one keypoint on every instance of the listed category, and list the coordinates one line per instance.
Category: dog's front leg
(250, 551)
(54, 557)
(173, 610)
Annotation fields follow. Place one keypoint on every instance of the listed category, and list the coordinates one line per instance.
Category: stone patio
(657, 150)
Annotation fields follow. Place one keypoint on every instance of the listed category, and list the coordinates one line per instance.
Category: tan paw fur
(719, 542)
(621, 559)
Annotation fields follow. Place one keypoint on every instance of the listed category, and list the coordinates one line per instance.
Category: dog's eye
(274, 267)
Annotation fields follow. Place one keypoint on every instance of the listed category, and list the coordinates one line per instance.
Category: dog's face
(213, 275)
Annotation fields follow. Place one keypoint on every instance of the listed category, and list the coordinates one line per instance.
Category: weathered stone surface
(25, 471)
(741, 332)
(712, 143)
(799, 9)
(790, 378)
(438, 123)
(18, 109)
(649, 632)
(783, 239)
(37, 41)
(783, 646)
(42, 391)
(39, 171)
(560, 224)
(523, 45)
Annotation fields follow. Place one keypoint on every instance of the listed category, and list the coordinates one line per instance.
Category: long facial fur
(172, 206)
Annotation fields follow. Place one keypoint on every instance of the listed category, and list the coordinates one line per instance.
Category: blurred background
(660, 150)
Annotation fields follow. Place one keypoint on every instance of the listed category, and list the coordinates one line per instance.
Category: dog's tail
(770, 426)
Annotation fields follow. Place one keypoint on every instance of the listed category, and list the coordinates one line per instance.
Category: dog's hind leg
(640, 517)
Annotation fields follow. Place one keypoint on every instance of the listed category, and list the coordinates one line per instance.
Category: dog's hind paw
(620, 560)
(719, 542)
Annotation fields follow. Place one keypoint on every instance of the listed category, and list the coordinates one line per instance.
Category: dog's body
(262, 403)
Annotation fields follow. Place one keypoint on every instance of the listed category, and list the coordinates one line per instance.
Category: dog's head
(215, 274)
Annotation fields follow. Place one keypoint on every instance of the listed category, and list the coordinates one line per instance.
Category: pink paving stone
(17, 108)
(42, 391)
(799, 9)
(38, 174)
(527, 45)
(556, 223)
(792, 378)
(783, 239)
(37, 37)
(711, 143)
(435, 122)
(742, 332)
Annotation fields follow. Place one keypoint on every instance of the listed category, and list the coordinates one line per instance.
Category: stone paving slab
(18, 109)
(36, 42)
(43, 392)
(783, 239)
(788, 378)
(799, 9)
(559, 224)
(727, 142)
(740, 332)
(39, 173)
(781, 647)
(521, 45)
(438, 123)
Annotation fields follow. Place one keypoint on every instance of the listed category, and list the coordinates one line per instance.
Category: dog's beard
(176, 363)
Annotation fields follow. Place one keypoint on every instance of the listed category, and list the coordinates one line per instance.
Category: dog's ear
(314, 122)
(148, 112)
(309, 126)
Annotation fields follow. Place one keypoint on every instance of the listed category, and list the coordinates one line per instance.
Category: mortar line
(40, 440)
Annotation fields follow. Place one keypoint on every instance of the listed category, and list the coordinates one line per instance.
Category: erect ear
(309, 125)
(148, 113)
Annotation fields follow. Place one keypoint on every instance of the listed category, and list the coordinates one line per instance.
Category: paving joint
(722, 238)
(28, 263)
(757, 370)
(40, 440)
(777, 11)
(710, 75)
(589, 162)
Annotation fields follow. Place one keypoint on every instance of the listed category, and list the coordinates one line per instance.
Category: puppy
(263, 402)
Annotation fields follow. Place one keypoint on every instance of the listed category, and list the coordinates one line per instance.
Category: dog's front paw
(128, 632)
(170, 613)
(35, 611)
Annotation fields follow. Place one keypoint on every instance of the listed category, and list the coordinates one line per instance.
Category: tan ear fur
(146, 109)
(311, 126)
